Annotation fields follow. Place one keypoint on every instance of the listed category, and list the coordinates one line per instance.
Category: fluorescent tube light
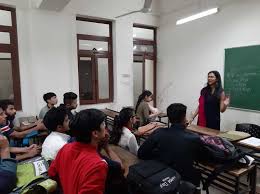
(197, 16)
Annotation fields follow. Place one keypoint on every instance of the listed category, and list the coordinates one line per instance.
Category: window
(144, 49)
(95, 60)
(9, 64)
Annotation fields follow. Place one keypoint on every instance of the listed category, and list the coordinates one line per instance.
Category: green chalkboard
(242, 77)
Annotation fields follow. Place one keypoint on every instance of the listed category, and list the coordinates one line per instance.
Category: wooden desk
(128, 159)
(231, 184)
(203, 130)
(162, 115)
(214, 132)
(255, 148)
(110, 115)
(230, 181)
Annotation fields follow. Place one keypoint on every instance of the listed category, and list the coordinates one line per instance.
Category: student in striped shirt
(8, 128)
(5, 130)
(7, 164)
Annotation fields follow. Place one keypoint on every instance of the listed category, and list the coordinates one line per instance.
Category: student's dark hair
(218, 89)
(141, 97)
(85, 122)
(55, 117)
(68, 97)
(48, 96)
(176, 112)
(4, 103)
(119, 122)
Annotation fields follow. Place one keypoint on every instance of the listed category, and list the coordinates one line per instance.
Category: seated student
(175, 146)
(143, 109)
(7, 164)
(51, 99)
(115, 182)
(78, 167)
(9, 130)
(57, 121)
(121, 134)
(152, 109)
(70, 102)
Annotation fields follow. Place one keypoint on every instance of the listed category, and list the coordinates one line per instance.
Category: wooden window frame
(97, 54)
(147, 55)
(12, 48)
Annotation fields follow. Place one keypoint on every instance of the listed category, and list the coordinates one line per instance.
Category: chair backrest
(252, 129)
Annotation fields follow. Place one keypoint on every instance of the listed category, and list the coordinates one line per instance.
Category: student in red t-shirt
(78, 167)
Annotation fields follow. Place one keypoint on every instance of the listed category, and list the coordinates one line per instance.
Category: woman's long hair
(218, 88)
(141, 97)
(119, 122)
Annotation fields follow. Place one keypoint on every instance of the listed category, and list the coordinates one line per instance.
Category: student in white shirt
(121, 134)
(57, 121)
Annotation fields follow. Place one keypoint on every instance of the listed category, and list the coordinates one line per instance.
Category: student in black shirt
(175, 146)
(70, 103)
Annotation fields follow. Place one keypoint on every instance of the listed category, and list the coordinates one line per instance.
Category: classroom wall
(48, 49)
(186, 53)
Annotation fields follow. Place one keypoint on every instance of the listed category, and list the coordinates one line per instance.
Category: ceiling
(174, 6)
(159, 7)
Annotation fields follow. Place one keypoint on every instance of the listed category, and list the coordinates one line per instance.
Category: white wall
(48, 49)
(186, 53)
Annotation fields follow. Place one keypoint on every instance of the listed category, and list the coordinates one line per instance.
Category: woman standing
(142, 109)
(212, 101)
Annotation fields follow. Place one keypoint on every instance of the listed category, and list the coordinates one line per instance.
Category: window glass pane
(4, 37)
(5, 18)
(143, 48)
(143, 33)
(6, 78)
(149, 75)
(138, 58)
(85, 78)
(5, 55)
(92, 28)
(103, 78)
(90, 45)
(138, 80)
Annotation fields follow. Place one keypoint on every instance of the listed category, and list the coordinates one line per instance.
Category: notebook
(252, 141)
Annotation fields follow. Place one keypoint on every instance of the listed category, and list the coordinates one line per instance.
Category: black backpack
(219, 150)
(223, 154)
(153, 177)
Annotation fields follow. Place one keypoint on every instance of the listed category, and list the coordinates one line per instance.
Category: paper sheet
(252, 141)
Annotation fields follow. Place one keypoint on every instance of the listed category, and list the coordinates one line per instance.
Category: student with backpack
(175, 146)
